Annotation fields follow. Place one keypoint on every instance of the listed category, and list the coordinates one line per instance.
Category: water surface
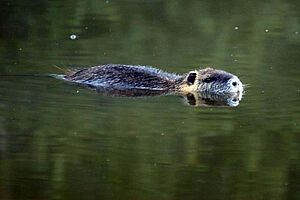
(61, 141)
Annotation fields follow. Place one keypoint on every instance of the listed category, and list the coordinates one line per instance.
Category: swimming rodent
(129, 77)
(207, 86)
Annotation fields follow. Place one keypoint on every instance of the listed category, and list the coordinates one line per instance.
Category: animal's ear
(191, 78)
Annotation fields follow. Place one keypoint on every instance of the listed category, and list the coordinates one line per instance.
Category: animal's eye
(208, 80)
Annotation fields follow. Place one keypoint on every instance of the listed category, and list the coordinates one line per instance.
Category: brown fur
(128, 77)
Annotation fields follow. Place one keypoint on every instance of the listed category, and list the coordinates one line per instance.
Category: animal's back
(124, 76)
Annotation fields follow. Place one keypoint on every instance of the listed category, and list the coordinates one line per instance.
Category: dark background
(60, 141)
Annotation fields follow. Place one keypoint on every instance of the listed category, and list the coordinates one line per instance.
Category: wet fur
(125, 77)
(128, 77)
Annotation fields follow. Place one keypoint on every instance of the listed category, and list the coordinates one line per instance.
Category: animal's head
(212, 81)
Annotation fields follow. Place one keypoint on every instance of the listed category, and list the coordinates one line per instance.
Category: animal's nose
(234, 81)
(236, 84)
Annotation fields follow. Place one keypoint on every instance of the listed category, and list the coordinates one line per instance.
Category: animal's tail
(32, 75)
(62, 77)
(57, 76)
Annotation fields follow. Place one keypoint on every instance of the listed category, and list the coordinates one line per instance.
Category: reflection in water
(213, 100)
(193, 99)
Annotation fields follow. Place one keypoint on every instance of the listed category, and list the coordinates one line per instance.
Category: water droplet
(106, 1)
(73, 37)
(236, 28)
(267, 30)
(296, 32)
(20, 49)
(77, 91)
(86, 28)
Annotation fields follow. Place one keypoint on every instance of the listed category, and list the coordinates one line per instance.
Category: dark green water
(60, 141)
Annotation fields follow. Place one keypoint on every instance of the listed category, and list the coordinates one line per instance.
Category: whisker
(246, 85)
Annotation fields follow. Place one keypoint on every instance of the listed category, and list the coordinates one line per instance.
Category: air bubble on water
(236, 28)
(73, 37)
(267, 30)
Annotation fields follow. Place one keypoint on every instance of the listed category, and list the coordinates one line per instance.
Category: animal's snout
(235, 84)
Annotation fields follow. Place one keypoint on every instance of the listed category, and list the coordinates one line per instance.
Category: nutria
(151, 80)
(202, 87)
